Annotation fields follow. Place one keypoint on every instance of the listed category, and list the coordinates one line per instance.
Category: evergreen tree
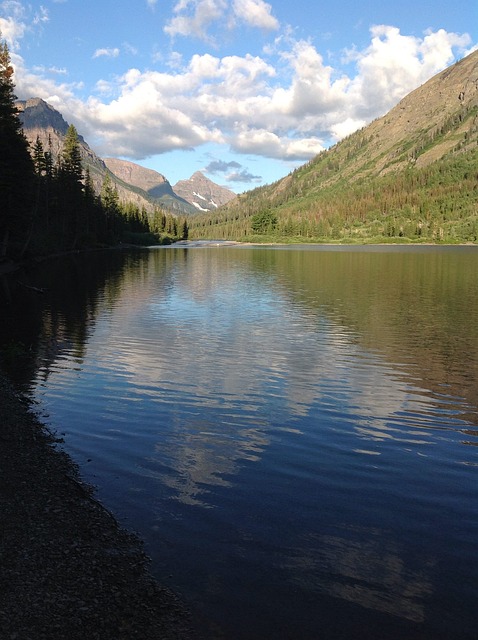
(91, 206)
(71, 156)
(16, 166)
(111, 206)
(71, 190)
(109, 196)
(39, 157)
(185, 234)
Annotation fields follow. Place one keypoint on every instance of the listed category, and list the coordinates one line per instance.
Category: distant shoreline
(10, 266)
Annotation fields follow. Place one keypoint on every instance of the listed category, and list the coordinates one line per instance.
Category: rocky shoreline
(68, 570)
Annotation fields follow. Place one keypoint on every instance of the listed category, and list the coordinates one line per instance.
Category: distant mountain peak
(150, 181)
(202, 193)
(143, 187)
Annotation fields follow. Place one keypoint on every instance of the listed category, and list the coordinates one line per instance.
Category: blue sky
(243, 90)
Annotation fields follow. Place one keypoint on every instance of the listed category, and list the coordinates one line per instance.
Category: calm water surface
(292, 431)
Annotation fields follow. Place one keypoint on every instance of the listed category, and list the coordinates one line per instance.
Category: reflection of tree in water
(52, 307)
(345, 341)
(413, 307)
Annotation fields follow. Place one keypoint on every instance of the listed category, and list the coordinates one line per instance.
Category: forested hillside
(49, 206)
(409, 176)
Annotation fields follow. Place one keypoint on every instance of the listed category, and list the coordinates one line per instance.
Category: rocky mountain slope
(154, 184)
(438, 118)
(202, 193)
(143, 187)
(41, 120)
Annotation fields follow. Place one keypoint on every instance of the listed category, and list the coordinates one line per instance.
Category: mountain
(202, 193)
(154, 184)
(39, 119)
(410, 173)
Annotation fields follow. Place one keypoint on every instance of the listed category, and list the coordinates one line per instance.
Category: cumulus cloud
(255, 13)
(241, 101)
(394, 64)
(287, 103)
(13, 23)
(193, 17)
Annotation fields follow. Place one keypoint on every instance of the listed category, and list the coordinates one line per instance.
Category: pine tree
(111, 206)
(71, 190)
(39, 157)
(16, 166)
(185, 233)
(71, 156)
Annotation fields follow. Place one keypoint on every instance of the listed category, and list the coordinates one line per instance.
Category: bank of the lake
(68, 569)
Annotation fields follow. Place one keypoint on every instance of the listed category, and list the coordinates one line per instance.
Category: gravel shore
(68, 570)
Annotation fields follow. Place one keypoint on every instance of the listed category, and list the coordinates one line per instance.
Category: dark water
(292, 431)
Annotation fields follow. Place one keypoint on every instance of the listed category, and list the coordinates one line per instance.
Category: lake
(292, 431)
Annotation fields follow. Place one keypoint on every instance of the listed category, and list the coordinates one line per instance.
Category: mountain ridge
(388, 169)
(146, 188)
(407, 135)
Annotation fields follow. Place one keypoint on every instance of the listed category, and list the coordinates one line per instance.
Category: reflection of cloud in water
(234, 349)
(203, 458)
(364, 572)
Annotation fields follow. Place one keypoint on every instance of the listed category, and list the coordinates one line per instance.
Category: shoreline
(69, 570)
(8, 266)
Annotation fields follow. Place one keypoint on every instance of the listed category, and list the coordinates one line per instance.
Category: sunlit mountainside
(411, 174)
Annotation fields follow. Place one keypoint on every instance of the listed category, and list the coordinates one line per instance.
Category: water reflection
(372, 574)
(306, 411)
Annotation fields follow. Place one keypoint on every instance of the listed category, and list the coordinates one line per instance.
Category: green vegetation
(410, 176)
(437, 203)
(48, 207)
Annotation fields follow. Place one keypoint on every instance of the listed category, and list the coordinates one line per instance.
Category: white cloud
(286, 103)
(193, 17)
(56, 70)
(394, 64)
(13, 25)
(255, 13)
(266, 143)
(241, 101)
(343, 129)
(41, 15)
(142, 121)
(107, 53)
(196, 17)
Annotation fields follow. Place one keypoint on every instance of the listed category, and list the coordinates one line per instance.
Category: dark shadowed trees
(16, 165)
